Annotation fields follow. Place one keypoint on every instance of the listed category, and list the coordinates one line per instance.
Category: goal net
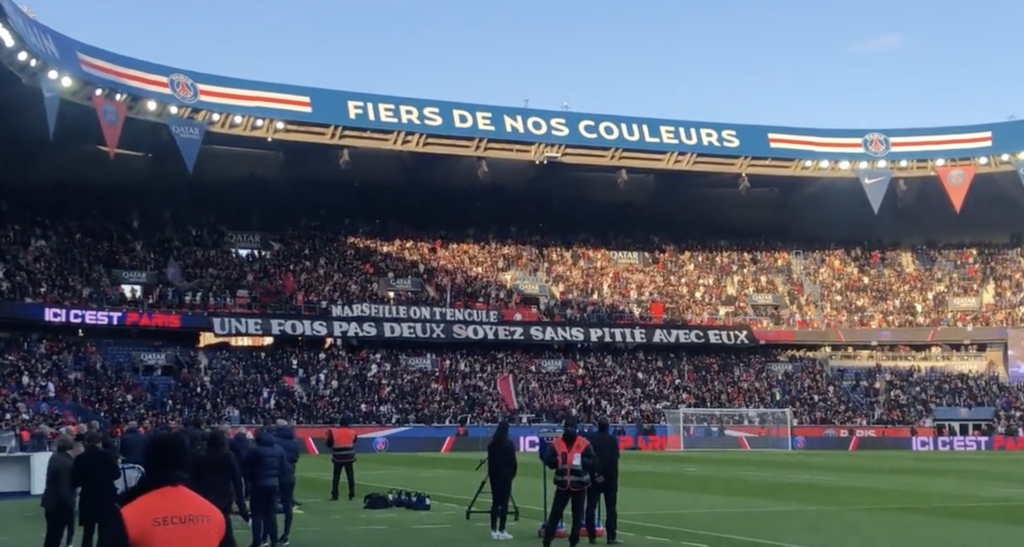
(730, 429)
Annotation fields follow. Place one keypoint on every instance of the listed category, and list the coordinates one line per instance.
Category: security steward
(161, 511)
(342, 442)
(606, 482)
(573, 459)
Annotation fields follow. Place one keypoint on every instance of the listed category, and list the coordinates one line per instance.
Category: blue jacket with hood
(285, 437)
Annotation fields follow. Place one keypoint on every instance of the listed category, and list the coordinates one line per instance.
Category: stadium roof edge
(351, 119)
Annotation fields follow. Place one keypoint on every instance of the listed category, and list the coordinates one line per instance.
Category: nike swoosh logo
(874, 180)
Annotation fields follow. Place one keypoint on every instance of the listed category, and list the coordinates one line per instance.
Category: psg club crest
(799, 443)
(956, 177)
(876, 144)
(183, 88)
(380, 444)
(111, 116)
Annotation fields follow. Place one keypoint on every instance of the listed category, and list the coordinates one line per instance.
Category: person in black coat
(95, 471)
(501, 470)
(605, 483)
(265, 465)
(195, 435)
(239, 446)
(58, 501)
(217, 477)
(133, 445)
(285, 438)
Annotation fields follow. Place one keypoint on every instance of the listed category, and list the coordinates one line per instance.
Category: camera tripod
(513, 508)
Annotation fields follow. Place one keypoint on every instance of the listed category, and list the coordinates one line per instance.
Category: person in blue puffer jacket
(285, 437)
(239, 447)
(266, 465)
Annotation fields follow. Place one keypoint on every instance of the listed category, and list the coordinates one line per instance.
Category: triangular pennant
(189, 136)
(876, 184)
(1019, 167)
(111, 114)
(51, 103)
(957, 181)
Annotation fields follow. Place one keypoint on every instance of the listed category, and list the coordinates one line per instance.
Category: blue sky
(868, 64)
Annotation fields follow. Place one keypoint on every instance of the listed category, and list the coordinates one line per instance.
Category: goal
(730, 429)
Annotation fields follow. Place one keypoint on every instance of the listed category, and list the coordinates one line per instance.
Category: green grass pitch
(713, 499)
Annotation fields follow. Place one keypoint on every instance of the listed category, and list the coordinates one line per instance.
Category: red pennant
(957, 181)
(111, 115)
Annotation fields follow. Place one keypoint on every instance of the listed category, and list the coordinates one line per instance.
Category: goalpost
(729, 429)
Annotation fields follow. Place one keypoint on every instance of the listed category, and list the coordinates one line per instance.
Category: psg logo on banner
(381, 444)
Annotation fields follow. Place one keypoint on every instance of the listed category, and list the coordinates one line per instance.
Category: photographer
(606, 481)
(501, 470)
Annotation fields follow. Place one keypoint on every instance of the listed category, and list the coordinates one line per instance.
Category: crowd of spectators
(686, 281)
(47, 379)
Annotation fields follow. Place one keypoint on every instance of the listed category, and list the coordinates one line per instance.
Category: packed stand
(306, 271)
(48, 380)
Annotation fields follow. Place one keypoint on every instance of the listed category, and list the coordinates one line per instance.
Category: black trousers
(229, 532)
(350, 476)
(577, 499)
(287, 505)
(57, 522)
(501, 493)
(264, 514)
(609, 488)
(89, 529)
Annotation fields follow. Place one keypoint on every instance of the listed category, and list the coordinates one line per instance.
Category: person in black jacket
(606, 482)
(265, 465)
(95, 471)
(239, 446)
(501, 470)
(285, 437)
(217, 477)
(133, 445)
(58, 501)
(196, 435)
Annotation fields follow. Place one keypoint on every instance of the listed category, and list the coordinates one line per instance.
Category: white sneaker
(504, 535)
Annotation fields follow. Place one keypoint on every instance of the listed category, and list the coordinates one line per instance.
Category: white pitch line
(322, 476)
(828, 508)
(431, 526)
(657, 539)
(692, 544)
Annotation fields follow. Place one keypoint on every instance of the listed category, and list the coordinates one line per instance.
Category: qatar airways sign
(951, 444)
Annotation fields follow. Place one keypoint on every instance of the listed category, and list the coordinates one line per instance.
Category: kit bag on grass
(376, 501)
(420, 502)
